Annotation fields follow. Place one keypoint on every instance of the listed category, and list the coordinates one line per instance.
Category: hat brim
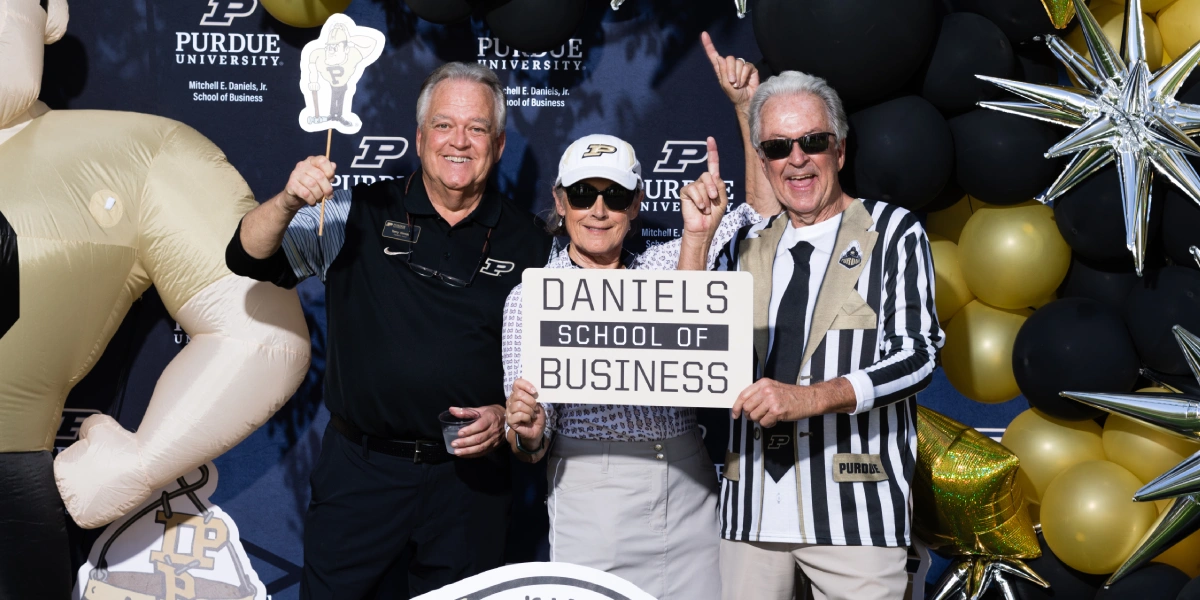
(621, 177)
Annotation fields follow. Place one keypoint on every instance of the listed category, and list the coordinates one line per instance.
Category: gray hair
(465, 72)
(793, 83)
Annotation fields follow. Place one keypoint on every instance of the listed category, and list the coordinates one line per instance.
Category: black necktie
(783, 362)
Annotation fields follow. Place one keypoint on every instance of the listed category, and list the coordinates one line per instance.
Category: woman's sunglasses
(813, 143)
(583, 196)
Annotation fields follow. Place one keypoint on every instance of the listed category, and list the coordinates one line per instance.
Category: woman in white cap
(639, 499)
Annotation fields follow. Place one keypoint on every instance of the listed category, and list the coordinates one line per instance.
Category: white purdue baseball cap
(600, 155)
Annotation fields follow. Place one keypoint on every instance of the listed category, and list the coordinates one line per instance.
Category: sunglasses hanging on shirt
(583, 196)
(813, 143)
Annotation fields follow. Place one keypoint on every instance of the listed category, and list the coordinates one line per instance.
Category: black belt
(419, 451)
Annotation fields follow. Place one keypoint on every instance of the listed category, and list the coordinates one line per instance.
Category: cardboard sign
(178, 544)
(656, 338)
(330, 67)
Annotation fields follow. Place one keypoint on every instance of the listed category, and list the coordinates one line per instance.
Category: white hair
(794, 83)
(465, 72)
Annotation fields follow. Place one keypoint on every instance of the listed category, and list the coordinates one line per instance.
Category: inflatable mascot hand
(104, 205)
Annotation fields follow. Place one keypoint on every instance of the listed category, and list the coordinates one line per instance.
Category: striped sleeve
(311, 254)
(910, 334)
(665, 256)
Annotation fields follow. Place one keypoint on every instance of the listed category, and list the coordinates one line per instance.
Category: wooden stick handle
(321, 225)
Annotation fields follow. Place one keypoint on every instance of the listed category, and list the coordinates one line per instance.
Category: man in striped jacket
(823, 445)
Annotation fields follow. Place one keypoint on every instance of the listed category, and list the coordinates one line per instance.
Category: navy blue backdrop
(638, 73)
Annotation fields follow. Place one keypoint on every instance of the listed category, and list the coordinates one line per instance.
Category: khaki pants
(766, 571)
(644, 511)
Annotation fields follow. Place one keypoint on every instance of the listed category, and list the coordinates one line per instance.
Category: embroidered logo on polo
(852, 256)
(496, 268)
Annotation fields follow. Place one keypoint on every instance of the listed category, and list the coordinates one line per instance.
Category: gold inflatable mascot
(104, 205)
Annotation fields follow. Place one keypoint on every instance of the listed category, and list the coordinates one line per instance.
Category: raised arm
(738, 78)
(262, 228)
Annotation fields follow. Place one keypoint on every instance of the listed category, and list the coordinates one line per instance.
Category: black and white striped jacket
(888, 351)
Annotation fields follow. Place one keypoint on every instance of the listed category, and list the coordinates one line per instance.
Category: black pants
(377, 520)
(35, 556)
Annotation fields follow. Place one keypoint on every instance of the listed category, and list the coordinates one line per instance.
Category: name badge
(848, 468)
(401, 231)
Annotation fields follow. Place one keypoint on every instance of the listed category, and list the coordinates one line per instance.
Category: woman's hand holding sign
(527, 420)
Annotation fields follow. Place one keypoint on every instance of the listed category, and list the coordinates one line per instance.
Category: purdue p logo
(778, 441)
(223, 12)
(598, 149)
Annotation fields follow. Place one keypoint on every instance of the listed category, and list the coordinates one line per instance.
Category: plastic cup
(451, 424)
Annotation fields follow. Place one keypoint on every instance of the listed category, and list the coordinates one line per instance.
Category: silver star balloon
(1123, 114)
(1180, 415)
(968, 578)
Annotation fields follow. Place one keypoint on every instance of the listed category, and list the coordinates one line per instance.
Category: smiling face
(456, 143)
(807, 186)
(597, 232)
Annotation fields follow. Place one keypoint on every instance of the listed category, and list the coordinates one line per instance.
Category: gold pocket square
(855, 313)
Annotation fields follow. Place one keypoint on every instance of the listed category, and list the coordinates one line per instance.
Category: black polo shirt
(404, 346)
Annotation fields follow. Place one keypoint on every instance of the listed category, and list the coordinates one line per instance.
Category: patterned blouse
(606, 421)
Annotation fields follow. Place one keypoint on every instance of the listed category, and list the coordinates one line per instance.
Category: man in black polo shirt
(416, 273)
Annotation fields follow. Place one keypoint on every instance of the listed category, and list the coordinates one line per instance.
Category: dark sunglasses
(813, 143)
(583, 196)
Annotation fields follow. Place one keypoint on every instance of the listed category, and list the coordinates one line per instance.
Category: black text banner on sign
(657, 338)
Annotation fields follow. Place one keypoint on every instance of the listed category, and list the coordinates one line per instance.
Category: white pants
(644, 511)
(767, 571)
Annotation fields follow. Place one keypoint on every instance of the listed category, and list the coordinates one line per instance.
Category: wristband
(526, 450)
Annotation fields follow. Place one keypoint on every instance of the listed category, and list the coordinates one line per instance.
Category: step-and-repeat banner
(231, 71)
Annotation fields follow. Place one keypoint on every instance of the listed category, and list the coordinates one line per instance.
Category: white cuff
(864, 390)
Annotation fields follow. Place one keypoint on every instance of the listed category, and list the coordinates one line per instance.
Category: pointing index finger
(713, 159)
(714, 57)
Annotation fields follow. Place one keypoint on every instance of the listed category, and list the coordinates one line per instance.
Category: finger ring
(742, 59)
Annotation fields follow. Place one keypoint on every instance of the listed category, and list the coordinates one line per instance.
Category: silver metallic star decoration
(1125, 114)
(968, 578)
(1178, 414)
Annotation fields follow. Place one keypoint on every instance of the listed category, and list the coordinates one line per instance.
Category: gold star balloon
(1060, 12)
(1180, 415)
(968, 502)
(1124, 114)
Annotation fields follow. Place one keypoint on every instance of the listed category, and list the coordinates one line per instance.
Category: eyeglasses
(451, 280)
(583, 196)
(813, 143)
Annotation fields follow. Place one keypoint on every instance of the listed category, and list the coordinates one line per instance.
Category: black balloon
(1065, 583)
(1035, 64)
(967, 45)
(1091, 219)
(442, 12)
(999, 157)
(10, 297)
(1020, 20)
(901, 152)
(1180, 221)
(949, 196)
(1191, 591)
(865, 49)
(534, 25)
(1154, 580)
(1108, 283)
(1164, 298)
(1074, 344)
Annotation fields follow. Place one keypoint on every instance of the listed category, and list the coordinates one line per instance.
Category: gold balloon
(1014, 256)
(1148, 6)
(304, 13)
(1049, 446)
(1089, 518)
(977, 357)
(1146, 451)
(949, 222)
(966, 496)
(1179, 25)
(950, 288)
